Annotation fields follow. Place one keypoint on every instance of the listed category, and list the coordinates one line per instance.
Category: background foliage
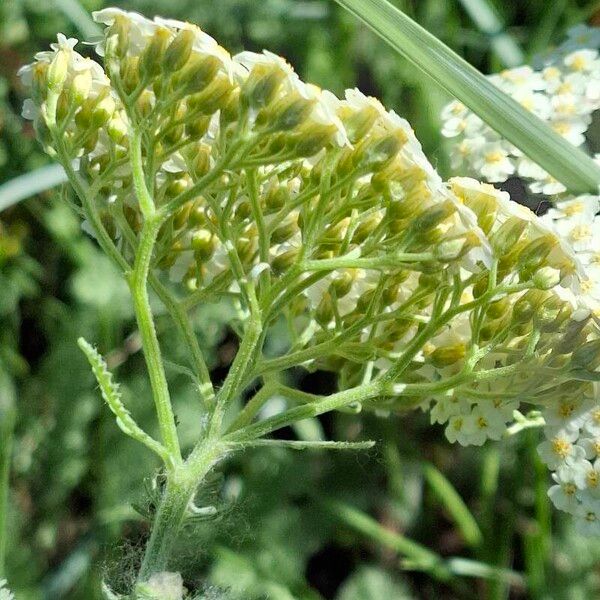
(414, 518)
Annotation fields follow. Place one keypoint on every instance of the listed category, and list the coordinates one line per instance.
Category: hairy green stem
(179, 491)
(138, 279)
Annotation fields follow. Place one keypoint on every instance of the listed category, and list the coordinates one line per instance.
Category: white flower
(493, 163)
(564, 494)
(587, 519)
(560, 449)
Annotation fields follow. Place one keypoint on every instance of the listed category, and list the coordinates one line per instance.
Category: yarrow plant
(212, 178)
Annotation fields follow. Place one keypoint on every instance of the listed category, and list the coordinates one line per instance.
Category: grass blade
(30, 184)
(569, 165)
(454, 504)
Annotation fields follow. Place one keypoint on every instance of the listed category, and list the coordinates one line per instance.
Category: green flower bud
(445, 356)
(117, 129)
(546, 278)
(197, 74)
(342, 284)
(276, 198)
(282, 262)
(285, 114)
(203, 244)
(284, 232)
(380, 151)
(324, 312)
(103, 111)
(152, 56)
(366, 228)
(178, 52)
(359, 123)
(80, 88)
(262, 84)
(130, 73)
(534, 254)
(57, 72)
(508, 235)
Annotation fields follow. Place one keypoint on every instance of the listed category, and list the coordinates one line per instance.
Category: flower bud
(57, 72)
(358, 123)
(285, 114)
(130, 73)
(533, 255)
(178, 52)
(80, 87)
(203, 244)
(366, 228)
(342, 284)
(282, 262)
(284, 232)
(103, 111)
(508, 235)
(546, 278)
(276, 198)
(197, 74)
(445, 356)
(262, 84)
(324, 312)
(117, 129)
(152, 55)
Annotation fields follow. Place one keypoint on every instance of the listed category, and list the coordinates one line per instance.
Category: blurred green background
(414, 518)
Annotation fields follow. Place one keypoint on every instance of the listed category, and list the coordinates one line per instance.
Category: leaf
(112, 397)
(30, 184)
(536, 139)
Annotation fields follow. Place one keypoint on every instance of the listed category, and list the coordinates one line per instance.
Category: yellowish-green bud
(203, 244)
(178, 52)
(103, 111)
(282, 262)
(57, 71)
(342, 284)
(80, 87)
(117, 129)
(152, 56)
(546, 278)
(285, 232)
(324, 312)
(509, 233)
(445, 356)
(197, 74)
(262, 84)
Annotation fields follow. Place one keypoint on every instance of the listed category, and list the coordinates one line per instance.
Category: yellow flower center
(580, 232)
(561, 447)
(592, 478)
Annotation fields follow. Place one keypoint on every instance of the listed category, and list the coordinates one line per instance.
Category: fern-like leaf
(112, 397)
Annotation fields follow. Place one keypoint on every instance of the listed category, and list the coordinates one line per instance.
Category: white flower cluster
(572, 452)
(476, 413)
(564, 91)
(5, 593)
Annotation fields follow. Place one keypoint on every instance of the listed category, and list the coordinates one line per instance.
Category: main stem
(138, 282)
(179, 492)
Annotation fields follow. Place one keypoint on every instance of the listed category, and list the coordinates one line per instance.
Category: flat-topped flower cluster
(325, 214)
(562, 89)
